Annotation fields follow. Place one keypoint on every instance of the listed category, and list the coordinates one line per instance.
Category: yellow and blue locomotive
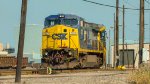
(68, 41)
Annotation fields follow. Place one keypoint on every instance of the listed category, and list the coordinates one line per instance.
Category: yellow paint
(121, 68)
(102, 28)
(71, 41)
(87, 50)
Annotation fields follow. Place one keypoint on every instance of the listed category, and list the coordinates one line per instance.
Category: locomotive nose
(57, 37)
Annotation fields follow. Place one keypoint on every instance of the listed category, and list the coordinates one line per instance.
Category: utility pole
(117, 32)
(149, 52)
(114, 60)
(21, 41)
(123, 37)
(149, 43)
(141, 31)
(127, 54)
(149, 37)
(109, 49)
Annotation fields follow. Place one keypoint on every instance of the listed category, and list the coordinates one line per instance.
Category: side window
(102, 34)
(103, 37)
(82, 34)
(81, 23)
(85, 35)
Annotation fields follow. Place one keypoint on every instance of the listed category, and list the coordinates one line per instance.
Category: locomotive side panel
(88, 39)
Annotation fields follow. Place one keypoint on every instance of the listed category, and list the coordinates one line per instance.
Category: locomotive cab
(60, 39)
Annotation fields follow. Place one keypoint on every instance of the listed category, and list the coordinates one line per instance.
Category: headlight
(46, 33)
(46, 53)
(61, 16)
(70, 53)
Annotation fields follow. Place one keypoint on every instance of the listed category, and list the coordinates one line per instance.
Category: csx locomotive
(68, 41)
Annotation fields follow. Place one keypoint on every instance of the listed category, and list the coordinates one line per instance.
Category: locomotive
(68, 41)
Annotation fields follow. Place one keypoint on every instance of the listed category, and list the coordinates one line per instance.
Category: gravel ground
(96, 77)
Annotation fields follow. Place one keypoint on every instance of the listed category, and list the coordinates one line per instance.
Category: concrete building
(131, 55)
(3, 53)
(7, 46)
(1, 50)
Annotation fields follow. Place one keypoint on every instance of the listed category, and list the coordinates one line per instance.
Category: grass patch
(140, 76)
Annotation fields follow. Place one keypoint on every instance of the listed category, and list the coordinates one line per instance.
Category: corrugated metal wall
(128, 57)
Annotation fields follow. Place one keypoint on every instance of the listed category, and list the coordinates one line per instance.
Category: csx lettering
(59, 36)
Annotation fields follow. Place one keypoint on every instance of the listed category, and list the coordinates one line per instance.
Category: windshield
(52, 22)
(68, 22)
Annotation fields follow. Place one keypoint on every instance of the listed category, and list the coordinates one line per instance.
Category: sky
(39, 9)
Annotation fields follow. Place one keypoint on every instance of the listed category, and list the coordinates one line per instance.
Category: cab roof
(67, 16)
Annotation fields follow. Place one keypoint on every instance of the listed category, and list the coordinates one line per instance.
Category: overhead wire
(111, 5)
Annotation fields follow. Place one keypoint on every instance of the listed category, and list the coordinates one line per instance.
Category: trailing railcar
(11, 62)
(68, 41)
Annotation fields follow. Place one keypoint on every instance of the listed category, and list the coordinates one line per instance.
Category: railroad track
(4, 72)
(103, 73)
(81, 70)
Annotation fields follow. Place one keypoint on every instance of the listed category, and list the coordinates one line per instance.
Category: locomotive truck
(68, 41)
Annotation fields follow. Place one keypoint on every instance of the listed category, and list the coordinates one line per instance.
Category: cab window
(70, 22)
(49, 23)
